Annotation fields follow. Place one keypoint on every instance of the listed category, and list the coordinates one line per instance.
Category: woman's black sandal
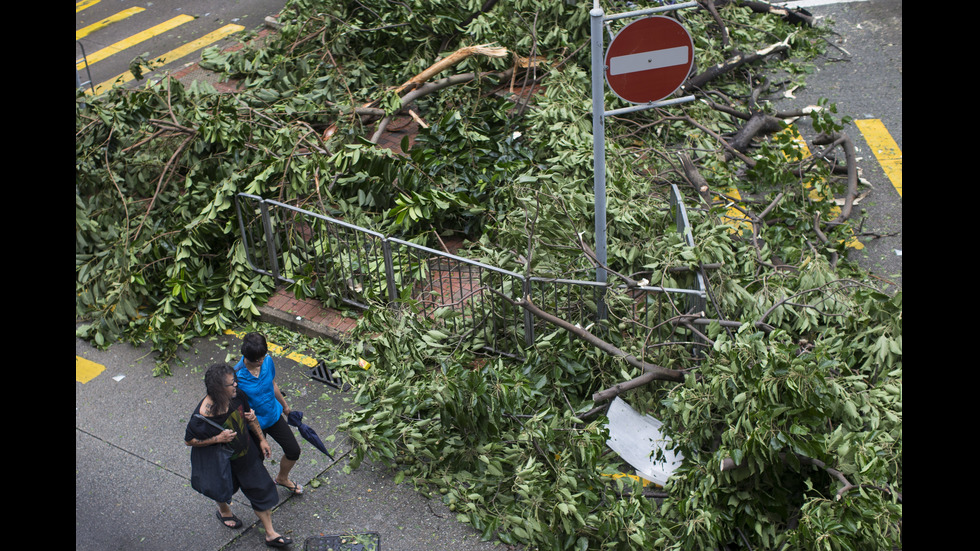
(279, 542)
(225, 520)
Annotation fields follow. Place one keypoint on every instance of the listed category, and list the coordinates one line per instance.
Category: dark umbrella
(296, 419)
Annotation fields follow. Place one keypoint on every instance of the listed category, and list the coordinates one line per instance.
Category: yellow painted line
(175, 54)
(79, 34)
(643, 481)
(83, 4)
(278, 351)
(884, 148)
(133, 40)
(86, 370)
(736, 218)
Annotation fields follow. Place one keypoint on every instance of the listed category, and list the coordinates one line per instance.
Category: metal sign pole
(597, 18)
(599, 150)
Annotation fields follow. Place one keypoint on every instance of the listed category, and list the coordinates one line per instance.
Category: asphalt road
(199, 18)
(862, 75)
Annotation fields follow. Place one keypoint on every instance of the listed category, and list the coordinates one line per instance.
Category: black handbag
(211, 469)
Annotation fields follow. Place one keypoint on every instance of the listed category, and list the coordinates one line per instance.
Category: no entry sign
(649, 59)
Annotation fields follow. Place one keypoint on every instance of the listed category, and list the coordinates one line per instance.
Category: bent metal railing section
(357, 266)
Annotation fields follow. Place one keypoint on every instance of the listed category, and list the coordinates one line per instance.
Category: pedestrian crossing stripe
(82, 33)
(173, 55)
(884, 148)
(85, 4)
(132, 41)
(86, 370)
(278, 351)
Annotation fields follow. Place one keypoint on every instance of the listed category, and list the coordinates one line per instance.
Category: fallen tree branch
(429, 88)
(449, 61)
(434, 69)
(652, 372)
(794, 16)
(693, 175)
(758, 123)
(699, 80)
(709, 5)
(852, 180)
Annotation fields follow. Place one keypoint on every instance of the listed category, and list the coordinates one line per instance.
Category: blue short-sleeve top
(260, 391)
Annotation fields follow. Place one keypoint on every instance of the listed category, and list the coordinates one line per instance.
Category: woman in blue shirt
(256, 379)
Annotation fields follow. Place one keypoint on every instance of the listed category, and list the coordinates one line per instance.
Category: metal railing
(88, 72)
(326, 257)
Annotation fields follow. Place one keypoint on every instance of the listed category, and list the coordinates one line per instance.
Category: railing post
(528, 318)
(270, 240)
(389, 270)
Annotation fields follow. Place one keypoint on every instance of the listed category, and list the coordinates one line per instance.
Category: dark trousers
(283, 435)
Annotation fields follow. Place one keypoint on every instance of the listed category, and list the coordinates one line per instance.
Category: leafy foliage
(797, 395)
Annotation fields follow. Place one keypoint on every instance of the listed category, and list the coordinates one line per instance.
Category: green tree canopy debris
(785, 396)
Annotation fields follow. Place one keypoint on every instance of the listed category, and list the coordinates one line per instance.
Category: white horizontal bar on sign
(644, 61)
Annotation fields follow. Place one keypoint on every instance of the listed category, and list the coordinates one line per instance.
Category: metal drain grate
(323, 374)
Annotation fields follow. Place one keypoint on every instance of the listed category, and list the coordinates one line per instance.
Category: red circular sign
(649, 59)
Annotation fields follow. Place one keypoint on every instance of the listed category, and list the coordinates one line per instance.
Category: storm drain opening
(323, 374)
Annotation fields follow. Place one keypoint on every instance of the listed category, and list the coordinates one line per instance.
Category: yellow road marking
(174, 54)
(82, 33)
(278, 350)
(734, 217)
(884, 148)
(643, 481)
(86, 370)
(133, 40)
(83, 4)
(738, 221)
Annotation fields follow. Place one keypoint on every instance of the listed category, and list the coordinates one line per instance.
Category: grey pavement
(862, 75)
(132, 469)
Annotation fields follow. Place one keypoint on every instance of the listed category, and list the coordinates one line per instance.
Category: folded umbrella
(295, 419)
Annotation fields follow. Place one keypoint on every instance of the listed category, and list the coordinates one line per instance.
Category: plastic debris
(641, 441)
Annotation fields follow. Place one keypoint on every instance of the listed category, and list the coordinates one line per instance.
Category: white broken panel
(638, 439)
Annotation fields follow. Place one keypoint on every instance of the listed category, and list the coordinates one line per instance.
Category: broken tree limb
(759, 123)
(741, 156)
(709, 5)
(850, 156)
(795, 16)
(431, 71)
(652, 372)
(699, 80)
(695, 178)
(616, 390)
(429, 88)
(449, 61)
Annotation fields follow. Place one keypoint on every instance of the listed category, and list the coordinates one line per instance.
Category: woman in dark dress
(224, 405)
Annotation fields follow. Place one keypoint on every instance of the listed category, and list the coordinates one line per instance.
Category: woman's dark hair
(254, 347)
(214, 382)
